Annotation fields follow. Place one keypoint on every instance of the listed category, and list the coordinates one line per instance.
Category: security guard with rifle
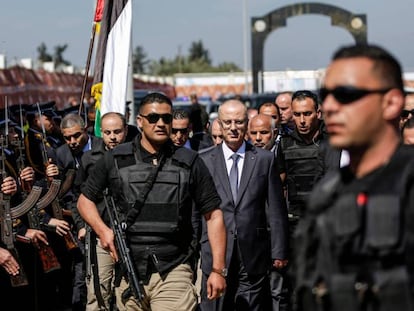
(99, 263)
(153, 184)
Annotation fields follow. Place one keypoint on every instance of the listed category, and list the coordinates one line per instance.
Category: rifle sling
(95, 271)
(133, 213)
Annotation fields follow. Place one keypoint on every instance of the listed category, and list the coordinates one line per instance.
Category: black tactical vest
(357, 242)
(301, 167)
(166, 213)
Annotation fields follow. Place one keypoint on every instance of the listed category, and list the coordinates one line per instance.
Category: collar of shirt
(88, 145)
(229, 162)
(187, 144)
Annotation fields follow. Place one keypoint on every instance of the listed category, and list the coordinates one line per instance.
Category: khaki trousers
(175, 293)
(106, 278)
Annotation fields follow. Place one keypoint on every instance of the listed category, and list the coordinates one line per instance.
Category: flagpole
(88, 64)
(96, 19)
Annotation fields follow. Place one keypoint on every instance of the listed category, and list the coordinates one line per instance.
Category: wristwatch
(222, 272)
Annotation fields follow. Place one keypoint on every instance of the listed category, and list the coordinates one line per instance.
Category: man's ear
(393, 103)
(319, 113)
(139, 122)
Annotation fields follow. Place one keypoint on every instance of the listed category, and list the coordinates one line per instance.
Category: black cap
(47, 109)
(15, 109)
(3, 123)
(71, 109)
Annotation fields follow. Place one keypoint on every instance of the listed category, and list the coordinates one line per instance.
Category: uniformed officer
(159, 228)
(357, 240)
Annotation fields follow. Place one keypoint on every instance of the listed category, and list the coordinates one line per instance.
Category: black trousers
(244, 292)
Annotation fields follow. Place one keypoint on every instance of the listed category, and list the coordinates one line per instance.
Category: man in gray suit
(249, 186)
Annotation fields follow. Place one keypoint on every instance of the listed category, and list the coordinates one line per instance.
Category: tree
(198, 52)
(43, 55)
(139, 60)
(197, 61)
(58, 55)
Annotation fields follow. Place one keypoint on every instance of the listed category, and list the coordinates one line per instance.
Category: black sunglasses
(182, 131)
(406, 113)
(348, 94)
(154, 117)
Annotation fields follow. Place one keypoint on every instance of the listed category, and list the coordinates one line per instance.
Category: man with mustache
(159, 228)
(68, 159)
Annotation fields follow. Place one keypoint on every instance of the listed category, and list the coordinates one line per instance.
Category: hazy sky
(165, 27)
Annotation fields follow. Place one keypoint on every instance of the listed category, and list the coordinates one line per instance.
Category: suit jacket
(259, 216)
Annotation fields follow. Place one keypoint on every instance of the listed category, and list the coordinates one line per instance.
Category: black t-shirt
(154, 257)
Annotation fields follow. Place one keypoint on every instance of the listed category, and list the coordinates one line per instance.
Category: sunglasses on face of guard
(154, 117)
(183, 131)
(407, 113)
(348, 94)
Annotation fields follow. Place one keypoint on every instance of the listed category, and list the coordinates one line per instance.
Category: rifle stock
(46, 253)
(135, 285)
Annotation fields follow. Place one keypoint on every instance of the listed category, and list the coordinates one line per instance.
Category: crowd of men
(304, 203)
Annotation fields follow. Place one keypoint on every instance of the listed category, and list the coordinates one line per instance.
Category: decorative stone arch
(262, 26)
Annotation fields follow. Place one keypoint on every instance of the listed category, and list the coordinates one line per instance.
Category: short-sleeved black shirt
(202, 190)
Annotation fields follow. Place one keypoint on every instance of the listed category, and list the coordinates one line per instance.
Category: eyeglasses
(348, 94)
(407, 113)
(76, 136)
(154, 117)
(183, 131)
(228, 123)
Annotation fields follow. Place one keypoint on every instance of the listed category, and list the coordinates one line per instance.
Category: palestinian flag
(110, 80)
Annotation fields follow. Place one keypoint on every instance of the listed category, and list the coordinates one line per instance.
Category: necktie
(234, 176)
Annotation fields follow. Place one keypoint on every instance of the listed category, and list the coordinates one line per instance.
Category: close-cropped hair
(71, 120)
(386, 66)
(303, 94)
(155, 97)
(119, 115)
(269, 104)
(180, 114)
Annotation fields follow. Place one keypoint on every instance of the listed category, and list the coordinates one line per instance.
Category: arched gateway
(262, 26)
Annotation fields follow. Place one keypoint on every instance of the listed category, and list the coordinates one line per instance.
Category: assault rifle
(70, 241)
(29, 194)
(7, 235)
(135, 285)
(47, 255)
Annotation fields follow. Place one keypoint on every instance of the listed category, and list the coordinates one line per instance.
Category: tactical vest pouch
(342, 292)
(383, 225)
(346, 216)
(299, 187)
(155, 215)
(392, 289)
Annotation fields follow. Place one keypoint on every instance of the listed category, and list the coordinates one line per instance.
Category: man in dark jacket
(357, 239)
(100, 267)
(158, 226)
